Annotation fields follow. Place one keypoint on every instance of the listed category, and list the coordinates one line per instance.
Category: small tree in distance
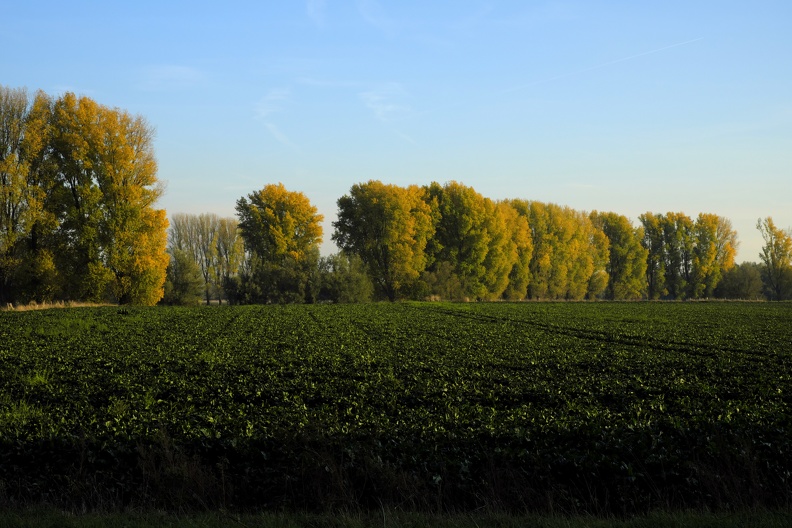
(183, 283)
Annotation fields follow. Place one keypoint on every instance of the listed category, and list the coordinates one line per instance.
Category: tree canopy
(78, 188)
(776, 258)
(388, 227)
(282, 231)
(78, 221)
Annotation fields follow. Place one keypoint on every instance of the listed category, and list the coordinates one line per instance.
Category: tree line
(78, 221)
(78, 187)
(450, 242)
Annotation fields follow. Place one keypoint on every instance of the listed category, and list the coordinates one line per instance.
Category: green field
(528, 407)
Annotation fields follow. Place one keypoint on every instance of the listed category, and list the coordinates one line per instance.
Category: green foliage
(343, 279)
(464, 237)
(184, 284)
(776, 256)
(654, 243)
(678, 244)
(609, 408)
(627, 258)
(281, 231)
(287, 280)
(388, 227)
(686, 259)
(77, 189)
(743, 281)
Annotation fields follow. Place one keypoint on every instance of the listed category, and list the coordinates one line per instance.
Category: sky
(617, 106)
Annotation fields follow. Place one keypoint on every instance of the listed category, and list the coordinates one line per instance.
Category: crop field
(522, 407)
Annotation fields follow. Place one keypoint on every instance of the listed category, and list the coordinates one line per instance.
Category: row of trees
(78, 188)
(449, 242)
(206, 254)
(271, 254)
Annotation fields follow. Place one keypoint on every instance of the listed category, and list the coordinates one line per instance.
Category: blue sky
(608, 105)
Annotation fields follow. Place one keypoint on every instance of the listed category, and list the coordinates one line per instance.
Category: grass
(49, 518)
(33, 306)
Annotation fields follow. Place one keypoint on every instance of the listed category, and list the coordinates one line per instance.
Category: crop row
(526, 406)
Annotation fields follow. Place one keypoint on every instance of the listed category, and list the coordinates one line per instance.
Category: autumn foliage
(78, 187)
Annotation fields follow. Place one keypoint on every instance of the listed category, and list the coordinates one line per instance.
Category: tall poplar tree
(715, 244)
(654, 242)
(78, 189)
(27, 266)
(517, 225)
(388, 227)
(776, 258)
(472, 238)
(112, 239)
(627, 258)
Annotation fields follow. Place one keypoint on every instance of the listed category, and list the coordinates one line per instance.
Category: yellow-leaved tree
(522, 245)
(388, 227)
(776, 258)
(713, 252)
(626, 264)
(473, 246)
(132, 233)
(79, 189)
(282, 231)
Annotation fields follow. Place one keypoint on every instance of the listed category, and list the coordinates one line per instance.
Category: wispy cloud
(316, 11)
(63, 88)
(280, 137)
(387, 102)
(273, 102)
(170, 77)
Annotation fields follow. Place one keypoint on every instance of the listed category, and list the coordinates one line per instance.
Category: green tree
(678, 244)
(743, 281)
(184, 284)
(344, 279)
(13, 183)
(544, 243)
(442, 282)
(776, 257)
(597, 251)
(27, 268)
(77, 192)
(715, 244)
(472, 236)
(627, 257)
(517, 224)
(282, 232)
(388, 228)
(654, 242)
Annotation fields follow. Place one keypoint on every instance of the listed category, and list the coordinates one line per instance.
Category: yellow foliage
(277, 223)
